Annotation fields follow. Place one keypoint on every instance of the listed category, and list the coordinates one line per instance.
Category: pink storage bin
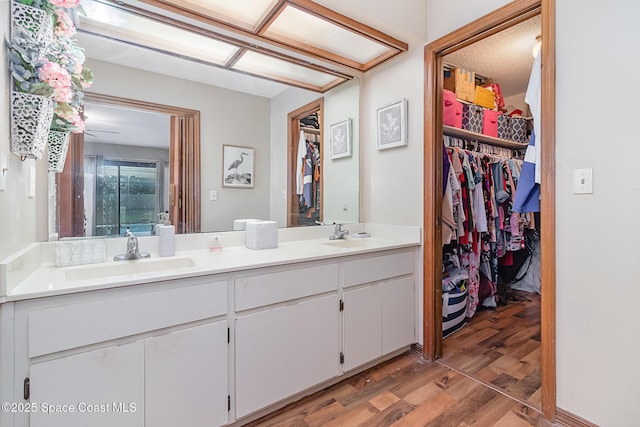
(490, 123)
(452, 109)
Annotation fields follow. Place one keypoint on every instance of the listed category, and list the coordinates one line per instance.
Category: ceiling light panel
(114, 22)
(296, 27)
(259, 64)
(246, 14)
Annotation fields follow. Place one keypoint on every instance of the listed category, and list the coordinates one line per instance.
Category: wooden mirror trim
(501, 18)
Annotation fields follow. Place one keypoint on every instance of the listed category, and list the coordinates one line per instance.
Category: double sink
(152, 265)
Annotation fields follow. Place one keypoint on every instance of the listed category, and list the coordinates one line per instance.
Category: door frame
(293, 134)
(494, 22)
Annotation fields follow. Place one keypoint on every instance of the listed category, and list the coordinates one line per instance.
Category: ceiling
(505, 57)
(126, 126)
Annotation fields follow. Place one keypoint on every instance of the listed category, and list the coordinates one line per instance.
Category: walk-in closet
(490, 273)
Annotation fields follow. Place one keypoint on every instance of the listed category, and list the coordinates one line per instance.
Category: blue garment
(528, 191)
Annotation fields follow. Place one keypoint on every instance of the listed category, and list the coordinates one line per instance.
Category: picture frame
(340, 139)
(238, 166)
(392, 125)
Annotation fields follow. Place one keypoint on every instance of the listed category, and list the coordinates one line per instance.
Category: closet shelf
(310, 130)
(465, 134)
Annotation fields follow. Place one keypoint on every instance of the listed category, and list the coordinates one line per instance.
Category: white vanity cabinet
(207, 350)
(287, 334)
(101, 388)
(127, 357)
(379, 307)
(186, 377)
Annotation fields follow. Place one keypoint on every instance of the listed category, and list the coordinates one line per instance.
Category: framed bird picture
(392, 125)
(237, 166)
(340, 137)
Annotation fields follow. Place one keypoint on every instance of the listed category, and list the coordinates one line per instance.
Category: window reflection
(126, 197)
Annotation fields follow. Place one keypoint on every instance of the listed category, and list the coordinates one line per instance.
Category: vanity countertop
(48, 280)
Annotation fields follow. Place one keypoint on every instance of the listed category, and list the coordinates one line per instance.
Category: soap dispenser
(167, 234)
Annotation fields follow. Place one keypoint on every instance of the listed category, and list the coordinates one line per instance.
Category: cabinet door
(362, 326)
(398, 314)
(186, 377)
(285, 350)
(105, 388)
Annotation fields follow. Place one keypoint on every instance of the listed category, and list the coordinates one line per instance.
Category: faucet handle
(339, 227)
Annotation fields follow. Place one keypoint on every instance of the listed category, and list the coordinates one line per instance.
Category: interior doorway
(305, 160)
(505, 17)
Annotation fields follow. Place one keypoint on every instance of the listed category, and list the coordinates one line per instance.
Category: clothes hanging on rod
(480, 228)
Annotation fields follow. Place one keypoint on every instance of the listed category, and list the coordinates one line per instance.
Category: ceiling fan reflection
(89, 132)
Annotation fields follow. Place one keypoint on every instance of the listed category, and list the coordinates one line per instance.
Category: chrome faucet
(339, 233)
(133, 251)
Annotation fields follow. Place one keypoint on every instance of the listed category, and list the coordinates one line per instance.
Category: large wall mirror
(125, 144)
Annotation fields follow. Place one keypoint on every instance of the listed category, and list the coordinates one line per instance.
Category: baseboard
(566, 418)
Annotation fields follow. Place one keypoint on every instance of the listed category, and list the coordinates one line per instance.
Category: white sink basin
(347, 243)
(119, 268)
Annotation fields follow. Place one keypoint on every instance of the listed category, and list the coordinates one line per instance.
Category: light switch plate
(4, 170)
(583, 181)
(213, 195)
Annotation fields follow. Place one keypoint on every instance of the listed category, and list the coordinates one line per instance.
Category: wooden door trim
(293, 131)
(511, 14)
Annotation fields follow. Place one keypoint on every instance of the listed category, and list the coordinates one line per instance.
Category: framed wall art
(392, 125)
(340, 139)
(237, 166)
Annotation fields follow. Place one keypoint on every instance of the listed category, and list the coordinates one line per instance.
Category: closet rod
(310, 130)
(486, 139)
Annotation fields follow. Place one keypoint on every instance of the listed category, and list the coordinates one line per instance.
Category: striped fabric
(454, 312)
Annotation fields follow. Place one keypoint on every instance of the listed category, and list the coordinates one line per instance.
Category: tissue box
(262, 234)
(241, 224)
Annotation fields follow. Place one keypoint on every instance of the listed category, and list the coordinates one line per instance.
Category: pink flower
(67, 4)
(79, 126)
(59, 79)
(62, 94)
(64, 25)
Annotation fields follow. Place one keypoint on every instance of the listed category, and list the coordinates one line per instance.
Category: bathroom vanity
(203, 338)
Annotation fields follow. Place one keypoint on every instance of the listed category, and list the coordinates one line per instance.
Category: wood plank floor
(501, 347)
(405, 391)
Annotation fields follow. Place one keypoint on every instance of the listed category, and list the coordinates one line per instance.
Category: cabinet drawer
(76, 325)
(373, 269)
(266, 289)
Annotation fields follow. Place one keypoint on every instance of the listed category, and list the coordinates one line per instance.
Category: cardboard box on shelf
(461, 82)
(485, 98)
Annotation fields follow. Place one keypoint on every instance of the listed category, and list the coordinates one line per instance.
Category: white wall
(598, 272)
(340, 176)
(23, 220)
(226, 117)
(517, 101)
